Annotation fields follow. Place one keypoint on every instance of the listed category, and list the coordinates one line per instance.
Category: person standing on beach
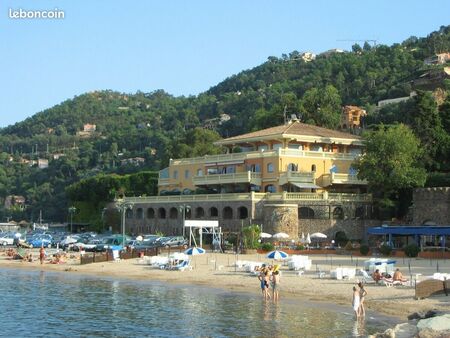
(355, 302)
(362, 296)
(41, 255)
(275, 285)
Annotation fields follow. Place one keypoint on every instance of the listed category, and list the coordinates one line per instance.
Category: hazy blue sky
(183, 47)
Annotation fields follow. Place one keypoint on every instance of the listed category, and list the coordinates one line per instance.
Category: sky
(183, 47)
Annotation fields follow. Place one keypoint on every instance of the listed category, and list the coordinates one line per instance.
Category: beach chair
(184, 265)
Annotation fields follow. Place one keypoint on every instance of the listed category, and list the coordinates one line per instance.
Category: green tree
(391, 162)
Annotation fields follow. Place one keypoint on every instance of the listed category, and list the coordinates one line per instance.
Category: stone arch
(338, 213)
(292, 167)
(305, 213)
(173, 213)
(242, 212)
(129, 213)
(213, 212)
(140, 213)
(313, 168)
(227, 213)
(161, 213)
(150, 213)
(360, 212)
(199, 212)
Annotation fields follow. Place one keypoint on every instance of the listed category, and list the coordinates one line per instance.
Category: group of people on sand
(359, 295)
(397, 276)
(269, 277)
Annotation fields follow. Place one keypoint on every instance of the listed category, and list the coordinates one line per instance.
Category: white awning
(305, 185)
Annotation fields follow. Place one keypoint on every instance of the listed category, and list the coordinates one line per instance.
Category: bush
(411, 250)
(385, 250)
(364, 249)
(267, 246)
(341, 238)
(300, 247)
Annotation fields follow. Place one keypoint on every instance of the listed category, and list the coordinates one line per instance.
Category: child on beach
(362, 296)
(275, 278)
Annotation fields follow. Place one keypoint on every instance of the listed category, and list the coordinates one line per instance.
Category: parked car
(90, 245)
(41, 241)
(174, 241)
(6, 239)
(112, 243)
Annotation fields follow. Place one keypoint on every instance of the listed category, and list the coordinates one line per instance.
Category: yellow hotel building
(292, 178)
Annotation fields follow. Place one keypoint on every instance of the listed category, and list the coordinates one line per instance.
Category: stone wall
(275, 216)
(431, 205)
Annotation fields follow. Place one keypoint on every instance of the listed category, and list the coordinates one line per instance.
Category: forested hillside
(142, 131)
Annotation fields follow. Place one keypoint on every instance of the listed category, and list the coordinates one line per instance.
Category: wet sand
(218, 271)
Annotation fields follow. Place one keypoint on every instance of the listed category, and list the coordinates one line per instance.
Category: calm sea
(38, 303)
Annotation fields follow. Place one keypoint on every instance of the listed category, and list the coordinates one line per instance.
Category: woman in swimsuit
(355, 301)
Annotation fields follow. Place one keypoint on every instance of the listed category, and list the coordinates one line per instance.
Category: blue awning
(410, 230)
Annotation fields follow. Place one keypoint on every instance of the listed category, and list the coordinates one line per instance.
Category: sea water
(42, 303)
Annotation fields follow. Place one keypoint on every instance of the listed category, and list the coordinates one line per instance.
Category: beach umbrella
(265, 235)
(195, 251)
(318, 235)
(280, 235)
(277, 254)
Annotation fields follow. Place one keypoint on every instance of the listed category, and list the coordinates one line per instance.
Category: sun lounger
(366, 278)
(184, 265)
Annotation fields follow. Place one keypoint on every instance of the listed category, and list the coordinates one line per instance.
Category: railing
(262, 154)
(296, 177)
(335, 178)
(285, 196)
(245, 177)
(163, 181)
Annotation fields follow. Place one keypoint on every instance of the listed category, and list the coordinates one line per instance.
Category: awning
(305, 185)
(410, 230)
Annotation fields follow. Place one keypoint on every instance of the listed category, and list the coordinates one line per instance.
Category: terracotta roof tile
(294, 128)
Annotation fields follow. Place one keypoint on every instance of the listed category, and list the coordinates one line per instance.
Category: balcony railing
(261, 154)
(296, 177)
(335, 178)
(245, 177)
(285, 196)
(163, 181)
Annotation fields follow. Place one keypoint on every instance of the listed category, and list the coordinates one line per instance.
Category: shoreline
(394, 302)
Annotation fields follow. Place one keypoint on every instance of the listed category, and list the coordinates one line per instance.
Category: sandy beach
(218, 270)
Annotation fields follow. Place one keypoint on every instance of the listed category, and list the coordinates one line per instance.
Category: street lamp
(183, 209)
(123, 206)
(72, 210)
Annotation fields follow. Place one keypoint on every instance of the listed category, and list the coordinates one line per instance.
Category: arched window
(129, 213)
(140, 213)
(161, 213)
(338, 213)
(213, 212)
(243, 213)
(175, 174)
(305, 213)
(150, 213)
(173, 213)
(270, 188)
(270, 168)
(227, 213)
(313, 168)
(199, 172)
(292, 167)
(187, 174)
(188, 213)
(199, 212)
